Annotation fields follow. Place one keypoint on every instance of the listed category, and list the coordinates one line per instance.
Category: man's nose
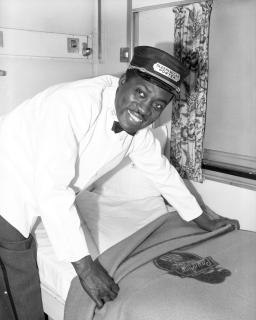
(145, 108)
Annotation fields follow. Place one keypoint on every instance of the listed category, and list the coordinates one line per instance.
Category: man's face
(139, 103)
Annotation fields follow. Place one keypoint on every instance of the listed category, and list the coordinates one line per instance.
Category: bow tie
(117, 128)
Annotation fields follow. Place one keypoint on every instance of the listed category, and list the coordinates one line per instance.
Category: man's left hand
(221, 222)
(204, 222)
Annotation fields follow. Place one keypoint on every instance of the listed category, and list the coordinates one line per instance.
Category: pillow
(127, 182)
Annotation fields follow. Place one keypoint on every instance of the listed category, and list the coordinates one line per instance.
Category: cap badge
(167, 72)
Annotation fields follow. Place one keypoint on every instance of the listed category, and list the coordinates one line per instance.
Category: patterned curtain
(191, 35)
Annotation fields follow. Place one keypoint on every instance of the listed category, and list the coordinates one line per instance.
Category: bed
(153, 290)
(166, 269)
(55, 276)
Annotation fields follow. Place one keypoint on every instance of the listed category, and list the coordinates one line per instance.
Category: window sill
(231, 178)
(234, 169)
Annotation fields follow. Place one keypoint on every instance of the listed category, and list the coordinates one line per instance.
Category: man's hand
(204, 222)
(96, 281)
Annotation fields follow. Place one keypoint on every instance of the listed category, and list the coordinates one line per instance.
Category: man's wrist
(83, 265)
(202, 219)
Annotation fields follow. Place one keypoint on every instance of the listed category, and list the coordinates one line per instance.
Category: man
(59, 143)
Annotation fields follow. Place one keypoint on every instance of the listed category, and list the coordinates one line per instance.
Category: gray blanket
(152, 291)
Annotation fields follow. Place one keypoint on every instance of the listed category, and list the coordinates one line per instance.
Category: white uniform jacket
(60, 142)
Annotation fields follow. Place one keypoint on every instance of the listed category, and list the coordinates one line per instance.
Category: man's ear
(122, 79)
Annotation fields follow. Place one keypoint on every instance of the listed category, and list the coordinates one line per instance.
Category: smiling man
(57, 144)
(139, 102)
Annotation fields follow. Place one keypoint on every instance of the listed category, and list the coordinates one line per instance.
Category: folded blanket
(148, 291)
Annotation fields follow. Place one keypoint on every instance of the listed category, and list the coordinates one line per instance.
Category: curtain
(191, 36)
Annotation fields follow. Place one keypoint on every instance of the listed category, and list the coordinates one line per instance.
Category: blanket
(170, 269)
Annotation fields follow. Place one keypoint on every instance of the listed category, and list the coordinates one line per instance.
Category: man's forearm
(195, 193)
(209, 220)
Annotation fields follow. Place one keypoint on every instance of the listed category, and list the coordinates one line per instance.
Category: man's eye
(158, 106)
(140, 93)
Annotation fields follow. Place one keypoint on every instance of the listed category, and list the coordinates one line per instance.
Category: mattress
(55, 275)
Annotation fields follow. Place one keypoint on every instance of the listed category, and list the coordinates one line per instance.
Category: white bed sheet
(105, 222)
(55, 275)
(110, 219)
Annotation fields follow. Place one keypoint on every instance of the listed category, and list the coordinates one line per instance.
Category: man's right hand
(95, 280)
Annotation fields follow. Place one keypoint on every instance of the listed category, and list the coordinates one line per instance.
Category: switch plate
(73, 45)
(1, 39)
(124, 54)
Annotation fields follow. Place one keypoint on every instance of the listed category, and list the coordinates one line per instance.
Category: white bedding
(54, 275)
(107, 229)
(112, 219)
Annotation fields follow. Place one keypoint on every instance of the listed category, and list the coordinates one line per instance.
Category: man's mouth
(135, 116)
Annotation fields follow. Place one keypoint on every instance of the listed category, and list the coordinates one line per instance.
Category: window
(230, 136)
